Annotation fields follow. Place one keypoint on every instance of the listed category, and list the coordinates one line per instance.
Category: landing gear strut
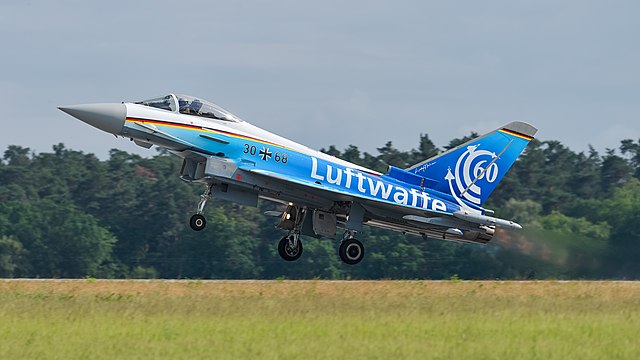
(290, 246)
(198, 221)
(351, 250)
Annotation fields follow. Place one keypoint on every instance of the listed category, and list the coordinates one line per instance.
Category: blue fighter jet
(441, 197)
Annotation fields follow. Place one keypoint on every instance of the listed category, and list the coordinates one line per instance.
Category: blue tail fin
(472, 170)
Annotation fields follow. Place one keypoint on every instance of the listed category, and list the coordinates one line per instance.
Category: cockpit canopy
(191, 106)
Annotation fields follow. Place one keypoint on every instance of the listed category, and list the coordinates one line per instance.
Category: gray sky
(328, 72)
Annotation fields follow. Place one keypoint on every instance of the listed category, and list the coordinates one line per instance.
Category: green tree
(388, 256)
(622, 212)
(74, 215)
(12, 255)
(352, 154)
(389, 155)
(632, 149)
(17, 155)
(227, 248)
(426, 150)
(60, 241)
(459, 141)
(615, 171)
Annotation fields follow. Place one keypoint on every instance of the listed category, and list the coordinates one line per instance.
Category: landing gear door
(324, 223)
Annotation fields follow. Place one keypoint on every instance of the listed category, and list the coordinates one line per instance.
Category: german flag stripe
(200, 128)
(515, 133)
(220, 132)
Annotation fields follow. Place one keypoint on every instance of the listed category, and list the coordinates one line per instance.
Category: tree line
(68, 214)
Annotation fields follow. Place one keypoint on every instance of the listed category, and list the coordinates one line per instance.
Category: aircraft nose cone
(106, 117)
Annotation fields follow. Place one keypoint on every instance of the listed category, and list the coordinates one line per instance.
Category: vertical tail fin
(471, 171)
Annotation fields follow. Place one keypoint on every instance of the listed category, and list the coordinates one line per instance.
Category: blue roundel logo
(474, 168)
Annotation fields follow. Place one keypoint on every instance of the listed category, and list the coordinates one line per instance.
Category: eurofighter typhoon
(440, 197)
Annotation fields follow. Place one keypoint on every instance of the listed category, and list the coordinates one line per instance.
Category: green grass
(319, 319)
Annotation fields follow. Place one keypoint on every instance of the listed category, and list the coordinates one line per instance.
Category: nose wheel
(198, 222)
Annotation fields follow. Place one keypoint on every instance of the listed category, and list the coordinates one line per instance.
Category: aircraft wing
(396, 216)
(375, 208)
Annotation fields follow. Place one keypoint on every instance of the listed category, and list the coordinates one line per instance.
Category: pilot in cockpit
(190, 107)
(195, 106)
(183, 106)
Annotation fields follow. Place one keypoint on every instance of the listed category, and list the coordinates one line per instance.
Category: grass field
(91, 319)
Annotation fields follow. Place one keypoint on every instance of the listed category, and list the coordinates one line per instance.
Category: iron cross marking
(265, 154)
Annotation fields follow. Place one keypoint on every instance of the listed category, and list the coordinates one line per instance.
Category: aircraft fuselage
(440, 197)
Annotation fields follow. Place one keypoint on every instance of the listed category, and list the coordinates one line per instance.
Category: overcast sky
(328, 72)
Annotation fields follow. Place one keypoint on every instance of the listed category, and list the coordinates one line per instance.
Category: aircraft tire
(198, 222)
(287, 252)
(351, 251)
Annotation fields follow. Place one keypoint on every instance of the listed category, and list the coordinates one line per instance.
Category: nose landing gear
(198, 221)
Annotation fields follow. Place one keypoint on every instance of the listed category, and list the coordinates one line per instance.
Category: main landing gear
(351, 250)
(198, 221)
(290, 247)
